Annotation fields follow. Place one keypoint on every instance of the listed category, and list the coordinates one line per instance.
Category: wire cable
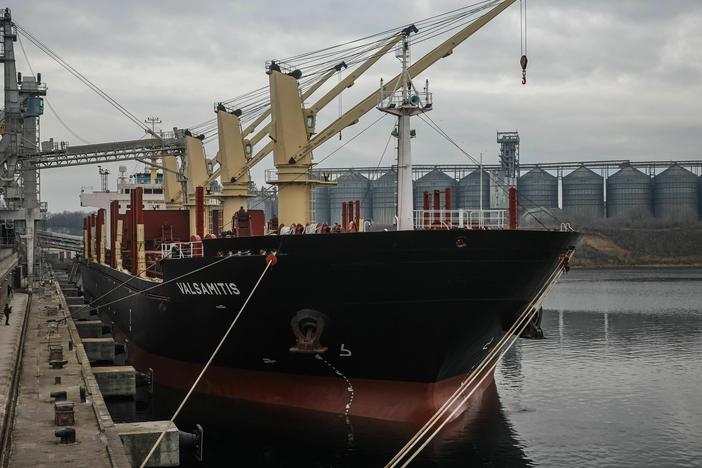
(269, 262)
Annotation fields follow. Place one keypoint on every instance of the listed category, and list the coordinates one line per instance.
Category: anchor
(308, 326)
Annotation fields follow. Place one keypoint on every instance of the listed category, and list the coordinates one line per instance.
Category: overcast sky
(606, 79)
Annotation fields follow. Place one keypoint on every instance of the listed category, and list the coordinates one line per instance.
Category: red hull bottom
(410, 402)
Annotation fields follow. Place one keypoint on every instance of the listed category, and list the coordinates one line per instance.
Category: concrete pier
(81, 312)
(33, 442)
(116, 381)
(76, 300)
(100, 349)
(89, 328)
(139, 437)
(70, 292)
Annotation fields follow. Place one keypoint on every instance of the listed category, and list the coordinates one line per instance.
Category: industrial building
(665, 191)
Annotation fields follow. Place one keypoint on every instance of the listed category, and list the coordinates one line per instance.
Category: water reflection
(252, 435)
(618, 380)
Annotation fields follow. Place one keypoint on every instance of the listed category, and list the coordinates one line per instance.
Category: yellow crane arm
(264, 131)
(324, 100)
(353, 76)
(442, 50)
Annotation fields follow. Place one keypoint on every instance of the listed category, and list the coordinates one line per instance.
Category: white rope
(165, 282)
(131, 278)
(207, 365)
(522, 321)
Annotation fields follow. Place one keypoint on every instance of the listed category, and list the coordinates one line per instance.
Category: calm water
(617, 382)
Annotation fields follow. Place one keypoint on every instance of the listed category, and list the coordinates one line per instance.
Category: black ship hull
(382, 325)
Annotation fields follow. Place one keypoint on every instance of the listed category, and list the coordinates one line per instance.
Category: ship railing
(181, 249)
(467, 219)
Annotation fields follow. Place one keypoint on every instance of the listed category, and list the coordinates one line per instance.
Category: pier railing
(469, 219)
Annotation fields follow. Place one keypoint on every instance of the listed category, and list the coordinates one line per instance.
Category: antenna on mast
(404, 102)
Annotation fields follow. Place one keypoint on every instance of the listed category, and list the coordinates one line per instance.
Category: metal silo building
(537, 188)
(384, 190)
(583, 194)
(349, 188)
(321, 204)
(431, 181)
(629, 194)
(676, 195)
(469, 191)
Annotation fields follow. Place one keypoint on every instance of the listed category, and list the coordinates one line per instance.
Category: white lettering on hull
(208, 289)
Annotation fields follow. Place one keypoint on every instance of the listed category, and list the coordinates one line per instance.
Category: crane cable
(93, 87)
(498, 351)
(523, 37)
(53, 111)
(270, 260)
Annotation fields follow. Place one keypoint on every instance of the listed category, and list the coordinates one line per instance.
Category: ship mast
(405, 102)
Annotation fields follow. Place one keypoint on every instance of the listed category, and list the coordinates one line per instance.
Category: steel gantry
(103, 153)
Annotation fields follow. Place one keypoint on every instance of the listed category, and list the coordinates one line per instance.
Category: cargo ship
(348, 319)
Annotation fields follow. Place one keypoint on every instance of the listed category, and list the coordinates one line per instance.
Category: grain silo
(629, 194)
(349, 188)
(469, 191)
(384, 191)
(321, 204)
(432, 181)
(676, 195)
(583, 194)
(537, 188)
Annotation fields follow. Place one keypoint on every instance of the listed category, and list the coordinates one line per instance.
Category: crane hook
(523, 62)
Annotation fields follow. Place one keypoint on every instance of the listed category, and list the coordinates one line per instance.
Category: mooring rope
(131, 277)
(522, 321)
(159, 285)
(269, 261)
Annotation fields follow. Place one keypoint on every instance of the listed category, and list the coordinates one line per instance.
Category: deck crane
(232, 157)
(293, 142)
(234, 150)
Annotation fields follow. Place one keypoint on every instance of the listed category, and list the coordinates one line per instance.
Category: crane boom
(442, 50)
(324, 100)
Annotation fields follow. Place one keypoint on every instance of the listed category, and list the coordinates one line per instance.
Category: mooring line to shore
(270, 260)
(131, 277)
(521, 323)
(142, 291)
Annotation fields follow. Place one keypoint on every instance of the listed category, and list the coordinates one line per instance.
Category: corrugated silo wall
(583, 194)
(384, 190)
(537, 188)
(629, 194)
(349, 188)
(321, 205)
(434, 180)
(469, 191)
(676, 195)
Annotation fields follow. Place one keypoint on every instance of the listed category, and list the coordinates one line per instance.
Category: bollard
(57, 380)
(67, 435)
(63, 413)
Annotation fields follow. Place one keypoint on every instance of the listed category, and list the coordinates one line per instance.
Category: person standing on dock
(8, 311)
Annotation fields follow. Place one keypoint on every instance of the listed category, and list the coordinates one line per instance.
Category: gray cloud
(606, 79)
